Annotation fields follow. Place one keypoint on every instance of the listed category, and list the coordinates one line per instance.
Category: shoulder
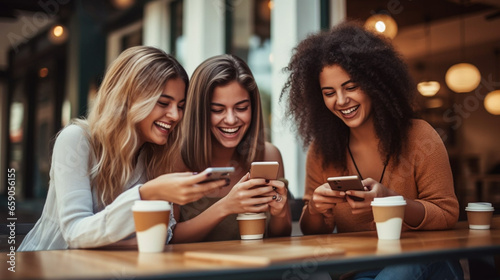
(272, 153)
(71, 132)
(72, 135)
(421, 129)
(423, 137)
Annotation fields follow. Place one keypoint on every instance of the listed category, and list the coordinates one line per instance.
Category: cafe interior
(53, 55)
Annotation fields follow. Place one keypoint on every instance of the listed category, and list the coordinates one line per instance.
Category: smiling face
(166, 114)
(231, 114)
(343, 97)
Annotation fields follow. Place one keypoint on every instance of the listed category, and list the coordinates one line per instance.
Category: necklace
(353, 161)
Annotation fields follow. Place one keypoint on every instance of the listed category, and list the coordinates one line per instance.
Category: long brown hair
(196, 149)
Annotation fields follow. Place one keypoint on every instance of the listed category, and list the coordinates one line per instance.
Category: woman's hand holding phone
(373, 189)
(179, 188)
(269, 170)
(247, 196)
(324, 199)
(217, 173)
(277, 207)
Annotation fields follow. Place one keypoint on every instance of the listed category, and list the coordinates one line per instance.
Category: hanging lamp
(58, 34)
(462, 77)
(383, 24)
(428, 87)
(492, 99)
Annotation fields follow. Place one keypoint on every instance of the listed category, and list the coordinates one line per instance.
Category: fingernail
(274, 188)
(267, 181)
(209, 174)
(194, 173)
(274, 197)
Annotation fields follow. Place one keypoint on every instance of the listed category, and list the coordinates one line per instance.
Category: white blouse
(70, 217)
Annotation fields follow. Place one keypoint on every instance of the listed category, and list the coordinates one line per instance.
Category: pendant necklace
(359, 173)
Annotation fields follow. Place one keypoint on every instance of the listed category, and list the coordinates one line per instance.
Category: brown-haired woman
(224, 127)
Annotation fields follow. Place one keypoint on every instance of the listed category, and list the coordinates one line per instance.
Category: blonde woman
(224, 127)
(101, 165)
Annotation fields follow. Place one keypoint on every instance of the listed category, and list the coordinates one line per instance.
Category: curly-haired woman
(120, 154)
(351, 95)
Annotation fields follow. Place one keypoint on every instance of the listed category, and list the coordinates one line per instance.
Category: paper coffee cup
(388, 214)
(151, 219)
(252, 225)
(479, 215)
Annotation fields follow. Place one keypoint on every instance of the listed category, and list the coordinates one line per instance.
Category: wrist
(146, 191)
(222, 209)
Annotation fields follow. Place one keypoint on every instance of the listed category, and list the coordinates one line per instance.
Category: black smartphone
(264, 169)
(217, 173)
(347, 183)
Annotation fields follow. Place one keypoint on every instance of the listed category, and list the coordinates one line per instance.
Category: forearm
(197, 228)
(314, 223)
(414, 213)
(280, 225)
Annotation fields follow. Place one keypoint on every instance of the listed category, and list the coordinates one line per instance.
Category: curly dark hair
(371, 61)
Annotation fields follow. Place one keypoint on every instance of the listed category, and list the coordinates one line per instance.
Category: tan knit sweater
(423, 174)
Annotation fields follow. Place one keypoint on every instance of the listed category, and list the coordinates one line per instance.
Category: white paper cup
(479, 215)
(252, 225)
(388, 214)
(151, 219)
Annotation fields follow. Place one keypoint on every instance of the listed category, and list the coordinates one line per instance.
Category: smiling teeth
(164, 125)
(348, 111)
(229, 130)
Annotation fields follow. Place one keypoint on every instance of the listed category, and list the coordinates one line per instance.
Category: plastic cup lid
(397, 200)
(150, 205)
(479, 206)
(251, 216)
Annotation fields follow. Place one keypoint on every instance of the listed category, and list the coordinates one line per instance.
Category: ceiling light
(58, 34)
(492, 99)
(428, 88)
(492, 102)
(463, 77)
(382, 23)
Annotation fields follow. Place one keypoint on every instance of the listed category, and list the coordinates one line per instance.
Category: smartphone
(264, 169)
(218, 173)
(346, 183)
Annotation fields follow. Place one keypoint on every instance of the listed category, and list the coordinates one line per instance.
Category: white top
(70, 217)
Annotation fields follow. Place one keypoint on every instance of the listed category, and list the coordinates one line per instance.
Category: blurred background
(54, 53)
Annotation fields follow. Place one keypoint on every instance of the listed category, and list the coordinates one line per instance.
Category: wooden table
(358, 250)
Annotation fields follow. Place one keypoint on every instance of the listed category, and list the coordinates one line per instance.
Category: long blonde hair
(196, 149)
(130, 89)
